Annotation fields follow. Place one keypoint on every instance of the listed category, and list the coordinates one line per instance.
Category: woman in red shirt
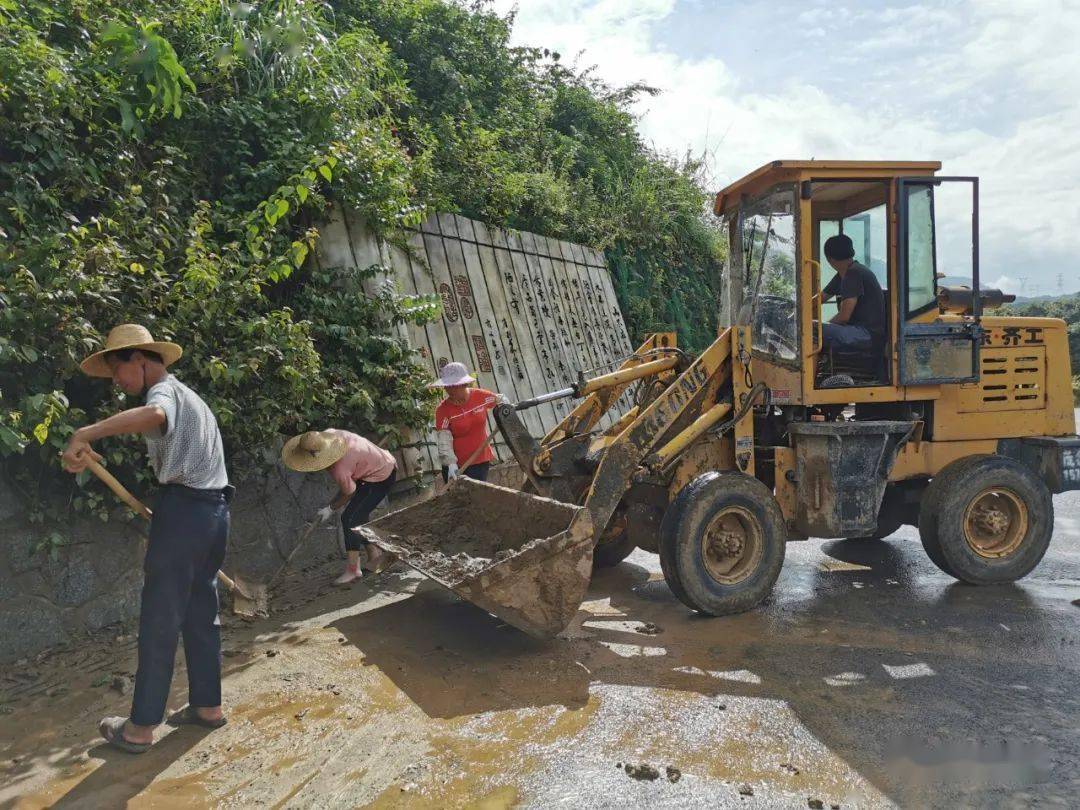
(461, 423)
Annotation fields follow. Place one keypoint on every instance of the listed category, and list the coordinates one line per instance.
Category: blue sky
(988, 87)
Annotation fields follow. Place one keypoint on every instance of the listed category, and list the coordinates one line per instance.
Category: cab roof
(779, 171)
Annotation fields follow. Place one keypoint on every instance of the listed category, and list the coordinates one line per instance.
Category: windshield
(869, 236)
(768, 248)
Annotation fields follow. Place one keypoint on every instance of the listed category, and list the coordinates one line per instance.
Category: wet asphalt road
(901, 685)
(869, 679)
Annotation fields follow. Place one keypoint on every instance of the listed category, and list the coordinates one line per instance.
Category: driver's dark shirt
(860, 283)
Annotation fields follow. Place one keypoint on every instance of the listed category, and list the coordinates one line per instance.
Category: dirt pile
(460, 534)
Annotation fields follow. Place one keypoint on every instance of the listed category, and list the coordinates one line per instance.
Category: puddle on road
(441, 705)
(58, 787)
(481, 761)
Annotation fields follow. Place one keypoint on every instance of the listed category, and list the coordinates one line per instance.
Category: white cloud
(1005, 284)
(988, 87)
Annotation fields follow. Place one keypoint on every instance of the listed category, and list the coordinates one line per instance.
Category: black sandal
(112, 729)
(188, 716)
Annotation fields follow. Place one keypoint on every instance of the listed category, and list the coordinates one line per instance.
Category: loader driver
(858, 326)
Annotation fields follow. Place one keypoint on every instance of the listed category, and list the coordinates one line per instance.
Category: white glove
(325, 514)
(502, 399)
(444, 439)
(452, 471)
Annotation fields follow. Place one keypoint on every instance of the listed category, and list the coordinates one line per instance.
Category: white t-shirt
(187, 449)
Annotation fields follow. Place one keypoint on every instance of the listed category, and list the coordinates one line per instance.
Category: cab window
(869, 235)
(921, 253)
(768, 241)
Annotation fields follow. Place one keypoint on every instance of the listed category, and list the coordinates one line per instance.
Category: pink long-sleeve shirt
(363, 461)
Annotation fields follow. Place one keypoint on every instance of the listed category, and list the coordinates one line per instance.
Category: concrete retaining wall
(524, 312)
(49, 599)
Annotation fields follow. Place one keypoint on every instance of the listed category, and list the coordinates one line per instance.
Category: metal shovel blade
(250, 600)
(523, 558)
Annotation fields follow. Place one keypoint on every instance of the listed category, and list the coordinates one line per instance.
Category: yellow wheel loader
(961, 425)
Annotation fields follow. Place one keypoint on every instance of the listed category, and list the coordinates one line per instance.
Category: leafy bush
(178, 188)
(169, 162)
(519, 138)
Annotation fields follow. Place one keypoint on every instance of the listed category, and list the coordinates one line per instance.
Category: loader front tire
(722, 543)
(615, 545)
(988, 520)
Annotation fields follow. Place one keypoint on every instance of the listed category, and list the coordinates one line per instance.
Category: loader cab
(908, 227)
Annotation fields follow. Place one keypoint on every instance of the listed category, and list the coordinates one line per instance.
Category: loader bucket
(523, 558)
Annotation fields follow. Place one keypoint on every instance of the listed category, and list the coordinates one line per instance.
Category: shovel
(316, 523)
(248, 600)
(472, 457)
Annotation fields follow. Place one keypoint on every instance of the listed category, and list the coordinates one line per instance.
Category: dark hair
(123, 355)
(839, 247)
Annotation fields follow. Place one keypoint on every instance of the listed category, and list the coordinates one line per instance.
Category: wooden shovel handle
(476, 453)
(140, 508)
(137, 506)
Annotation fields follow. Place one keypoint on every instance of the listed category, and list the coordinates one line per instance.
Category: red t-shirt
(468, 424)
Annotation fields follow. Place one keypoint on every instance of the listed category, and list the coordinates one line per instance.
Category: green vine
(169, 163)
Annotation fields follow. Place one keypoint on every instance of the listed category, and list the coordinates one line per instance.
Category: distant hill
(954, 281)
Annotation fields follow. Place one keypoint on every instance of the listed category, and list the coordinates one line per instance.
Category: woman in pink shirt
(363, 472)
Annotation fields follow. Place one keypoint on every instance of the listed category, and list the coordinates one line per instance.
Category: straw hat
(129, 336)
(452, 374)
(312, 451)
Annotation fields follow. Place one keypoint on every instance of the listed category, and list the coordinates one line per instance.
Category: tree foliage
(518, 137)
(169, 162)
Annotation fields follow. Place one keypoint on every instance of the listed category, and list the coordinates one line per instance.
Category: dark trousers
(358, 510)
(846, 337)
(477, 472)
(188, 535)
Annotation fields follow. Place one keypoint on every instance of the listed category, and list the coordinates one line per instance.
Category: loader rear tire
(930, 508)
(989, 520)
(722, 543)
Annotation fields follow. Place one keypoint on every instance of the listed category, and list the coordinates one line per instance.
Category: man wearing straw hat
(188, 532)
(364, 474)
(461, 430)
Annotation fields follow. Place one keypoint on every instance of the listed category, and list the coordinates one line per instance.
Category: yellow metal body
(671, 435)
(627, 375)
(1024, 386)
(693, 432)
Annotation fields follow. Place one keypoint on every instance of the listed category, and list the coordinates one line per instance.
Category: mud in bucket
(521, 557)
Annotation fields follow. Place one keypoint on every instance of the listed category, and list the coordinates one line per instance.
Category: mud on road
(870, 679)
